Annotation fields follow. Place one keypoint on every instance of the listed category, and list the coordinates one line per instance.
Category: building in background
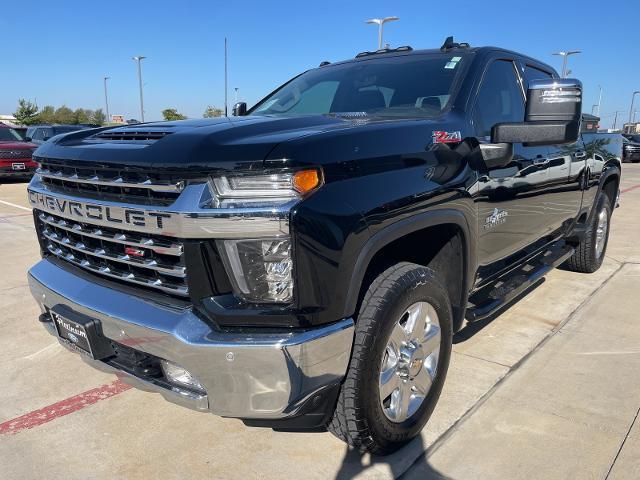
(631, 128)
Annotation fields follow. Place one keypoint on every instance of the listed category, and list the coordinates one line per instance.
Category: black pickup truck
(305, 263)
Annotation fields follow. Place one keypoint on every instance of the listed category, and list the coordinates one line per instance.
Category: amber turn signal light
(306, 181)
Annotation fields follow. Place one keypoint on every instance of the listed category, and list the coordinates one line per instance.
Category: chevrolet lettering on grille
(106, 215)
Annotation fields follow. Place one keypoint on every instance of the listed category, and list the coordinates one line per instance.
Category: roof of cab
(408, 51)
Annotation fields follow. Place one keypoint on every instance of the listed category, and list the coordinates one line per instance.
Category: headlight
(265, 188)
(260, 269)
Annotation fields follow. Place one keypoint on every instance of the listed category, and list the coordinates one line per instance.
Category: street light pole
(225, 78)
(106, 98)
(139, 59)
(380, 22)
(633, 97)
(565, 56)
(599, 99)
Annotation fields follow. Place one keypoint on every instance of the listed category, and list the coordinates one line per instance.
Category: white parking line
(14, 205)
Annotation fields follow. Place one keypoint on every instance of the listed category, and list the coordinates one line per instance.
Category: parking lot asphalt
(548, 389)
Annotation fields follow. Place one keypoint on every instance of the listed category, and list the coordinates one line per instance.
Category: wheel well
(610, 188)
(439, 247)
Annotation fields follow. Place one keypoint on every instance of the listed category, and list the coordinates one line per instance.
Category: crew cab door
(511, 210)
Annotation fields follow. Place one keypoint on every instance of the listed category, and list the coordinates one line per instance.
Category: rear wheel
(589, 254)
(399, 361)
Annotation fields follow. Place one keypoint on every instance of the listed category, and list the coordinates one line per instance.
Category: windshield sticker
(451, 64)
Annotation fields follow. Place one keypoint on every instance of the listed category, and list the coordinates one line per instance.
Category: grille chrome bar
(116, 182)
(179, 272)
(122, 238)
(117, 274)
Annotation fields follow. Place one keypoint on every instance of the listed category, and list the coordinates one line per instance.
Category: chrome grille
(16, 154)
(115, 183)
(151, 261)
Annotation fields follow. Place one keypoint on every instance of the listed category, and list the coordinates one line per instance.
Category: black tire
(585, 259)
(359, 419)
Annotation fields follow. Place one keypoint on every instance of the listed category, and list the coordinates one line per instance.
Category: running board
(493, 297)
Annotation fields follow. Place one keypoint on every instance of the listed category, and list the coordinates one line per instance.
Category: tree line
(173, 114)
(28, 113)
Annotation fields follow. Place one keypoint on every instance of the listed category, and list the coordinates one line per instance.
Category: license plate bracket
(18, 166)
(81, 333)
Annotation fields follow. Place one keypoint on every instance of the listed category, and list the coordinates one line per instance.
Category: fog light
(179, 376)
(260, 270)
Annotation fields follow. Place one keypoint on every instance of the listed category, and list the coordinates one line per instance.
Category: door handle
(540, 161)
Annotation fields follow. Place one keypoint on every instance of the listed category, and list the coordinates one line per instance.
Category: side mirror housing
(552, 115)
(239, 109)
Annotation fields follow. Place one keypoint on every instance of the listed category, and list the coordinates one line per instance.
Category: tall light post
(566, 55)
(106, 98)
(599, 99)
(226, 111)
(139, 58)
(380, 22)
(633, 97)
(615, 119)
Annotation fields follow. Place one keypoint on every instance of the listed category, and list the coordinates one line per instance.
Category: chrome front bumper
(245, 375)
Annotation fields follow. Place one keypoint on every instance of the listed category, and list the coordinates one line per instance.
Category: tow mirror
(552, 115)
(239, 109)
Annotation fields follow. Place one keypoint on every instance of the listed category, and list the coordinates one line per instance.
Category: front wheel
(399, 361)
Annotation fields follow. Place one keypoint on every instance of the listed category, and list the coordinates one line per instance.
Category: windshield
(409, 85)
(9, 135)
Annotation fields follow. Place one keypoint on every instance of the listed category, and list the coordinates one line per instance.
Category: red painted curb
(62, 408)
(630, 188)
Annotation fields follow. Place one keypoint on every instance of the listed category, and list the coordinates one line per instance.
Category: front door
(511, 210)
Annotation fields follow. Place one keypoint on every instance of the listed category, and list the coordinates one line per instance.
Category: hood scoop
(126, 135)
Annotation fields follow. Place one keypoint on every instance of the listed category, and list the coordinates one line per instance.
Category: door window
(533, 73)
(499, 99)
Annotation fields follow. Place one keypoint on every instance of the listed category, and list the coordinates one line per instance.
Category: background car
(39, 134)
(15, 154)
(631, 148)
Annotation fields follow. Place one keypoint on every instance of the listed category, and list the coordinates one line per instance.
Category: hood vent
(131, 135)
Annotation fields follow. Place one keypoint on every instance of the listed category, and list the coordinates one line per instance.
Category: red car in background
(15, 154)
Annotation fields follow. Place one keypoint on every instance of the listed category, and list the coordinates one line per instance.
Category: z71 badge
(440, 136)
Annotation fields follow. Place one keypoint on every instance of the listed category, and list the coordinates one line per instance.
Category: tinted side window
(533, 73)
(499, 99)
(38, 134)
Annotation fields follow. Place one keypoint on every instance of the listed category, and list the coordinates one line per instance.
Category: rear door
(511, 211)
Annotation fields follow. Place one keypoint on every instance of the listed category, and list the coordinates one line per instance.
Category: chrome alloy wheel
(409, 362)
(601, 231)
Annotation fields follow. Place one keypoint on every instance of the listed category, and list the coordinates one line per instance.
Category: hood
(11, 145)
(205, 144)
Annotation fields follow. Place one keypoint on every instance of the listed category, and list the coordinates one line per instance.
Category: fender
(405, 227)
(611, 167)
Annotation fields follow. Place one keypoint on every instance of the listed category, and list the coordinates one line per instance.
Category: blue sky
(58, 52)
